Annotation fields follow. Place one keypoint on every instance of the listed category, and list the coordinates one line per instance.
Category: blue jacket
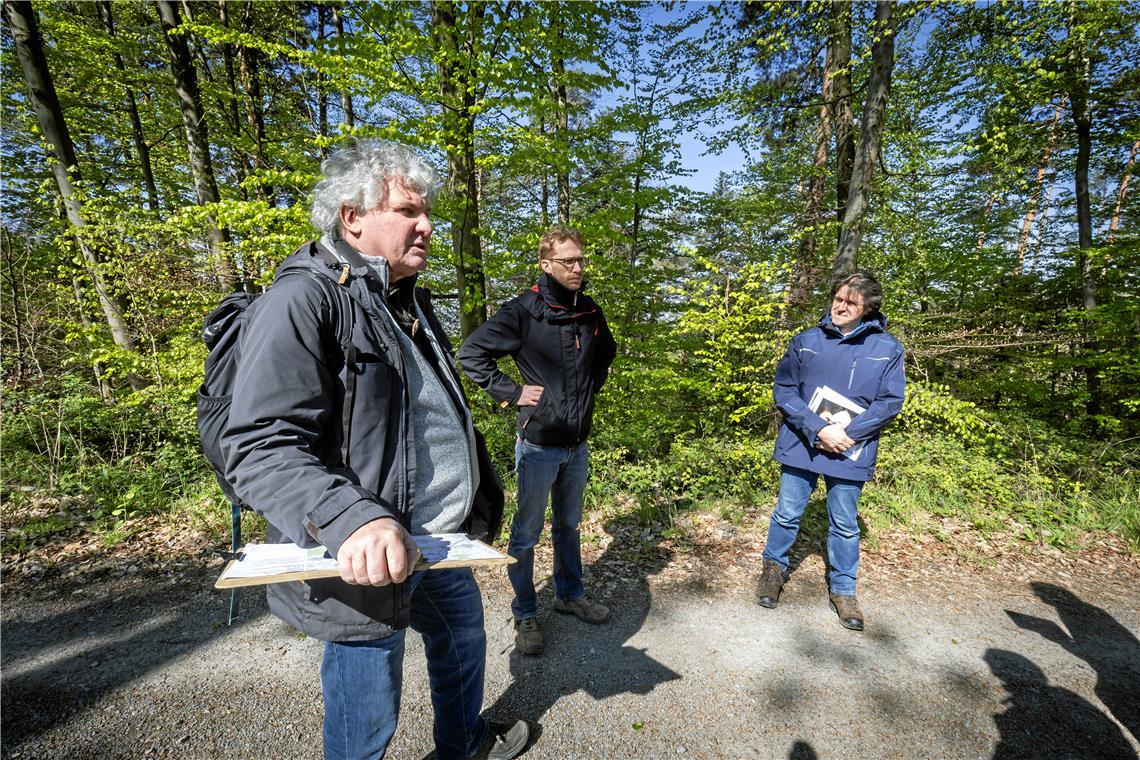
(866, 366)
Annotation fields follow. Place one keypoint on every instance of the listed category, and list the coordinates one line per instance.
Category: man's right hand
(377, 553)
(833, 439)
(530, 395)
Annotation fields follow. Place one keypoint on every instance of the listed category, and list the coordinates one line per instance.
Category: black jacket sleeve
(499, 336)
(604, 353)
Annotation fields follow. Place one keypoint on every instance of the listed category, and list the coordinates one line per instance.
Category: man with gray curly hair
(348, 428)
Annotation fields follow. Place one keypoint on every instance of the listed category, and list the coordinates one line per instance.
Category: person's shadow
(593, 658)
(1098, 639)
(1048, 721)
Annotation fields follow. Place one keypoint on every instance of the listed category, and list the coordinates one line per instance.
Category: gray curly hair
(358, 174)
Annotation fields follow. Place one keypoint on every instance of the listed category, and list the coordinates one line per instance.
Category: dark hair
(559, 234)
(863, 283)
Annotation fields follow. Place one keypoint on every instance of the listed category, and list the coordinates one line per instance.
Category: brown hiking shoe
(528, 638)
(771, 582)
(583, 608)
(847, 608)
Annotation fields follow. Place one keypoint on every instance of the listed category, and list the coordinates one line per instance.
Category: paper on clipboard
(259, 564)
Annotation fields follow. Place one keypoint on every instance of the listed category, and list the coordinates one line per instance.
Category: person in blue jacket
(855, 367)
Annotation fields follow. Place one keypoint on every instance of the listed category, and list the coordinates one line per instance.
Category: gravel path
(138, 663)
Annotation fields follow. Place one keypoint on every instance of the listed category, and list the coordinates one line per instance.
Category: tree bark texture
(455, 55)
(805, 272)
(1080, 79)
(254, 114)
(842, 116)
(874, 113)
(197, 136)
(141, 146)
(1122, 192)
(345, 96)
(562, 130)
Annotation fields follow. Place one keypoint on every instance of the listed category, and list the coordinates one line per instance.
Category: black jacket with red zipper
(559, 340)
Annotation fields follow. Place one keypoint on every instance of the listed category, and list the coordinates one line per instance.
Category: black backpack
(221, 332)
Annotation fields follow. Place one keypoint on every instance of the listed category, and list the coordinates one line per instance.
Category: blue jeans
(557, 474)
(361, 680)
(796, 486)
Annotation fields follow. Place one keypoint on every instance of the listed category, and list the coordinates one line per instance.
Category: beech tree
(21, 18)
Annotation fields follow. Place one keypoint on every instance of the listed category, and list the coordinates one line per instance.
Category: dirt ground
(1017, 652)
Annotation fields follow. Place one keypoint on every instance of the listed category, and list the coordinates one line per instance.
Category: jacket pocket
(546, 417)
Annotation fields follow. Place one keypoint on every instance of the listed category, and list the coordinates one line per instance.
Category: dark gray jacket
(283, 443)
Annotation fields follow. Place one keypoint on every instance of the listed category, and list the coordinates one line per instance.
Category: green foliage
(971, 228)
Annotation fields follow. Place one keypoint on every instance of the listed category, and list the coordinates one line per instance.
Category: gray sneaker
(584, 609)
(505, 741)
(528, 638)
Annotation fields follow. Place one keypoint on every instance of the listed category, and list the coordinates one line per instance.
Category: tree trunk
(254, 116)
(983, 228)
(231, 111)
(197, 136)
(545, 177)
(457, 95)
(1038, 186)
(805, 271)
(345, 96)
(562, 128)
(842, 117)
(141, 147)
(874, 112)
(14, 283)
(1122, 191)
(322, 90)
(49, 115)
(1081, 76)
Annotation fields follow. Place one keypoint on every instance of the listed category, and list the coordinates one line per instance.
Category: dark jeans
(557, 474)
(362, 680)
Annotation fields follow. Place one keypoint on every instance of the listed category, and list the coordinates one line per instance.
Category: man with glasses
(563, 349)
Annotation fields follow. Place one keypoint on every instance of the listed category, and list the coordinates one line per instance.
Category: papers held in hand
(836, 408)
(258, 564)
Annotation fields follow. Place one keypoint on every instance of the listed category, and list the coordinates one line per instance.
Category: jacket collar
(362, 265)
(557, 294)
(877, 323)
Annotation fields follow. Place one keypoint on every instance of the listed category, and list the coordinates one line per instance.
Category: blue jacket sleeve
(499, 336)
(887, 404)
(786, 392)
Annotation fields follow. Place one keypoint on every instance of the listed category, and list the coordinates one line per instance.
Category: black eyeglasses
(572, 263)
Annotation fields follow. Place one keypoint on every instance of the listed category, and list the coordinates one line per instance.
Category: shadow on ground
(1048, 721)
(593, 659)
(58, 666)
(1100, 640)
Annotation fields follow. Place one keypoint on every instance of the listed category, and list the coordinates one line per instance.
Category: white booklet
(259, 564)
(836, 408)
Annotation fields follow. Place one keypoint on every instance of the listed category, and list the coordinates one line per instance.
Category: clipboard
(262, 564)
